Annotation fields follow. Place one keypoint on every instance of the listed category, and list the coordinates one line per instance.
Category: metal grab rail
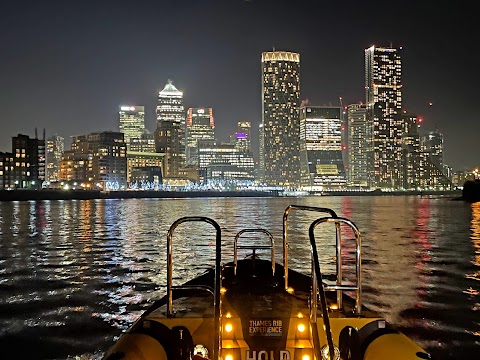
(285, 235)
(339, 287)
(217, 278)
(253, 247)
(317, 276)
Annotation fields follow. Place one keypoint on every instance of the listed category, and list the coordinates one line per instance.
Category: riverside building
(383, 87)
(55, 148)
(357, 154)
(280, 118)
(321, 158)
(98, 159)
(24, 167)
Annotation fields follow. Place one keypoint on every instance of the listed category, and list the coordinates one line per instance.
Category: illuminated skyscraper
(280, 118)
(243, 136)
(383, 87)
(357, 145)
(200, 126)
(170, 133)
(433, 145)
(55, 147)
(321, 148)
(131, 122)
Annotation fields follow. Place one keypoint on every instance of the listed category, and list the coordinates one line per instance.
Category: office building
(170, 132)
(412, 168)
(131, 122)
(145, 143)
(224, 161)
(357, 146)
(321, 159)
(280, 118)
(243, 136)
(383, 86)
(433, 145)
(146, 165)
(200, 126)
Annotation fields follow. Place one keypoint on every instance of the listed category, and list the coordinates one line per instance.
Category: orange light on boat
(229, 357)
(306, 357)
(301, 328)
(228, 315)
(300, 315)
(223, 290)
(228, 327)
(290, 290)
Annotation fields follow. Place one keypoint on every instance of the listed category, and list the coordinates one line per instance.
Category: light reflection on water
(74, 274)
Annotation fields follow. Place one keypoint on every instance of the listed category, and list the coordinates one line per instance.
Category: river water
(75, 274)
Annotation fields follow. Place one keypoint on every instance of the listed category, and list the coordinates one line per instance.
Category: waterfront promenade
(57, 194)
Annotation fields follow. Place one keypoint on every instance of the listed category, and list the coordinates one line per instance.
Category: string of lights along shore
(373, 144)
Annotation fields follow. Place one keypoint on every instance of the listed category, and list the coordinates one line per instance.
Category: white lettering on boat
(265, 327)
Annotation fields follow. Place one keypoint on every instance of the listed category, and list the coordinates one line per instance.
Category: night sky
(66, 66)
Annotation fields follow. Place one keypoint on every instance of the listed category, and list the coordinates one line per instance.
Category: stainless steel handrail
(317, 276)
(253, 247)
(285, 233)
(339, 287)
(217, 279)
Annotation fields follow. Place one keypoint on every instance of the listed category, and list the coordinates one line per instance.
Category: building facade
(224, 160)
(200, 126)
(145, 143)
(28, 161)
(280, 118)
(357, 150)
(131, 122)
(170, 132)
(383, 86)
(321, 158)
(100, 158)
(243, 136)
(144, 161)
(55, 149)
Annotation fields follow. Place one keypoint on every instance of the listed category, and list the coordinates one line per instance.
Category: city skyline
(60, 74)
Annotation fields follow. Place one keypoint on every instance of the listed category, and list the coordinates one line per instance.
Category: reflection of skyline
(101, 262)
(422, 233)
(391, 240)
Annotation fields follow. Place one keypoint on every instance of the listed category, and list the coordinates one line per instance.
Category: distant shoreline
(56, 194)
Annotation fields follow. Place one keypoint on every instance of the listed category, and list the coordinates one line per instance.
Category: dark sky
(67, 65)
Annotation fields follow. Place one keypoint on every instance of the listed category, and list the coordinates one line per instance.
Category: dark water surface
(75, 274)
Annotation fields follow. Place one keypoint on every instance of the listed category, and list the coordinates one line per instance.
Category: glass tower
(170, 132)
(280, 118)
(131, 122)
(321, 148)
(357, 145)
(200, 126)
